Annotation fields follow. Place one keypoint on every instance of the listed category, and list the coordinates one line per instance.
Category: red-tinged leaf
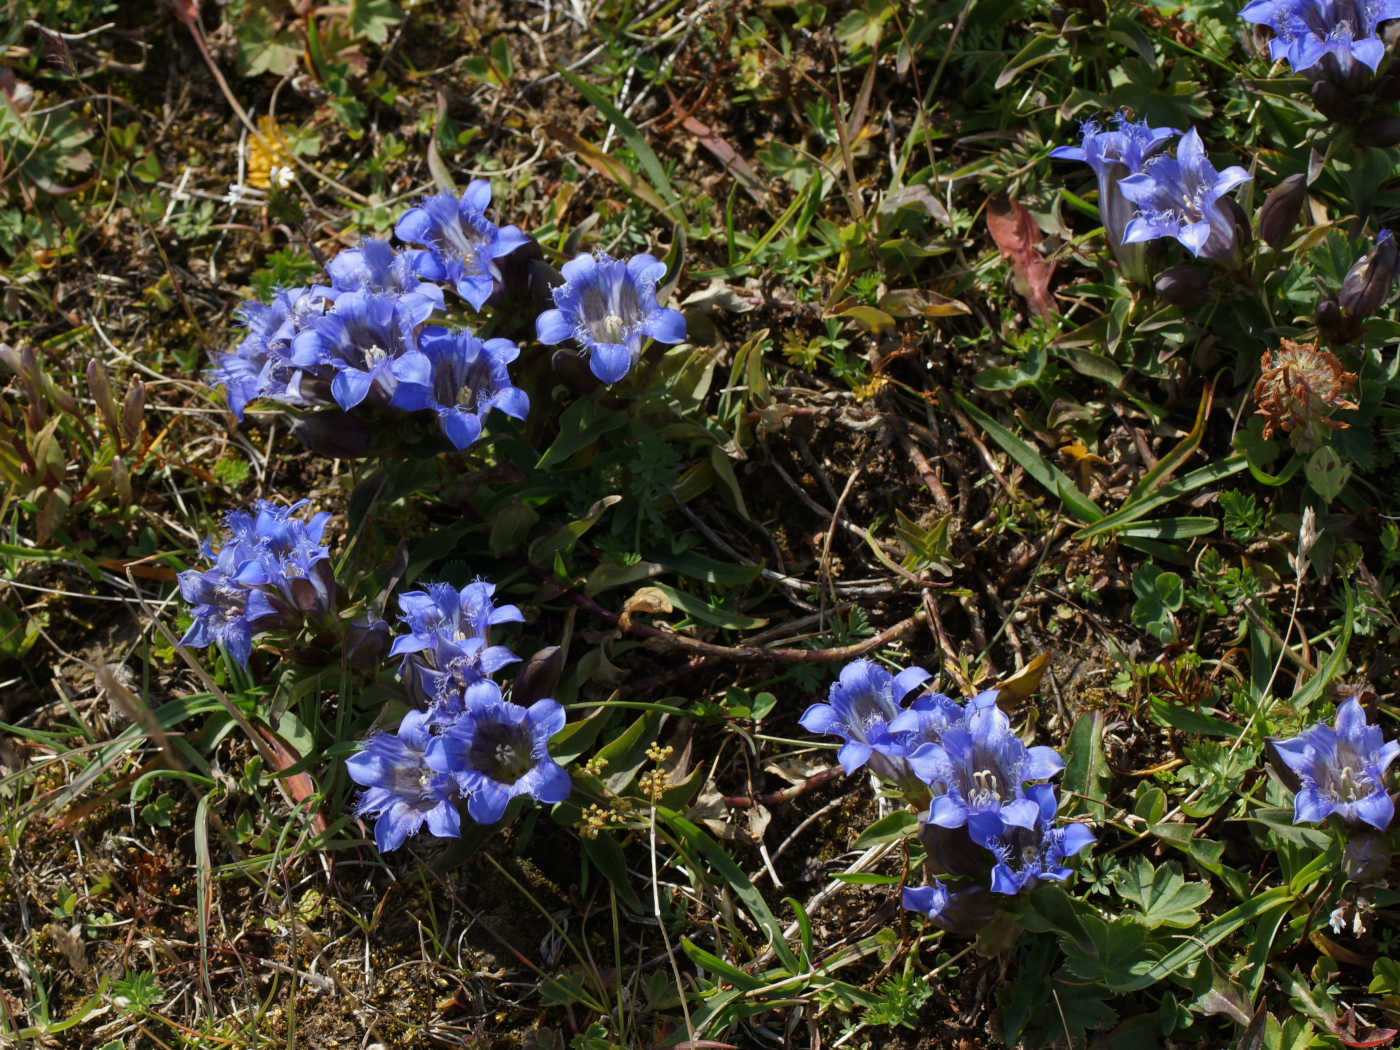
(1366, 1037)
(1016, 235)
(1361, 1035)
(727, 155)
(299, 786)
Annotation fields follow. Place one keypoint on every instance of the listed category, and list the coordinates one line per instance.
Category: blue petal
(349, 387)
(579, 270)
(553, 327)
(488, 804)
(666, 326)
(1376, 809)
(609, 362)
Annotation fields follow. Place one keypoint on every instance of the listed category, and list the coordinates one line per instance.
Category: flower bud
(132, 406)
(1244, 234)
(366, 644)
(573, 370)
(335, 434)
(1333, 103)
(101, 389)
(1333, 325)
(537, 679)
(1382, 132)
(1387, 87)
(1183, 285)
(1368, 282)
(1281, 210)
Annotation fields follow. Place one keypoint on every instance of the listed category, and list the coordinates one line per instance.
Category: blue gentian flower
(928, 900)
(468, 380)
(261, 365)
(377, 268)
(401, 789)
(984, 766)
(497, 751)
(1181, 197)
(368, 343)
(609, 307)
(929, 715)
(1341, 769)
(1322, 37)
(270, 570)
(1026, 857)
(461, 243)
(218, 603)
(448, 647)
(1114, 155)
(282, 555)
(859, 709)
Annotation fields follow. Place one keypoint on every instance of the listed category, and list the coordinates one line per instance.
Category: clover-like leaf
(1163, 894)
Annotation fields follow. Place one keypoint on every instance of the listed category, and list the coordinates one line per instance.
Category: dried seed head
(1299, 385)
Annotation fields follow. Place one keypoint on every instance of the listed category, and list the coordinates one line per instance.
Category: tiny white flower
(280, 176)
(1338, 918)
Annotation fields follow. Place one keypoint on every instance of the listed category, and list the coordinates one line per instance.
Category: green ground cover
(928, 410)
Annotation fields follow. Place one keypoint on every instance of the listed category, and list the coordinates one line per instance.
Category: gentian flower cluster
(1114, 155)
(269, 572)
(990, 819)
(1341, 770)
(363, 338)
(470, 743)
(1145, 194)
(1324, 39)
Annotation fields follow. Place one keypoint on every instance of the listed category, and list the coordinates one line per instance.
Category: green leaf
(1137, 508)
(262, 44)
(866, 878)
(1326, 473)
(1206, 938)
(559, 542)
(897, 825)
(1086, 772)
(702, 612)
(1109, 952)
(641, 149)
(372, 19)
(1163, 895)
(1054, 480)
(724, 866)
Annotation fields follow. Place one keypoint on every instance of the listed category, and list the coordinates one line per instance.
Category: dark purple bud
(366, 644)
(132, 406)
(1244, 234)
(335, 434)
(968, 911)
(62, 398)
(1332, 325)
(1387, 87)
(1382, 132)
(1183, 285)
(523, 290)
(101, 389)
(1333, 103)
(1368, 282)
(1282, 208)
(574, 371)
(539, 676)
(951, 851)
